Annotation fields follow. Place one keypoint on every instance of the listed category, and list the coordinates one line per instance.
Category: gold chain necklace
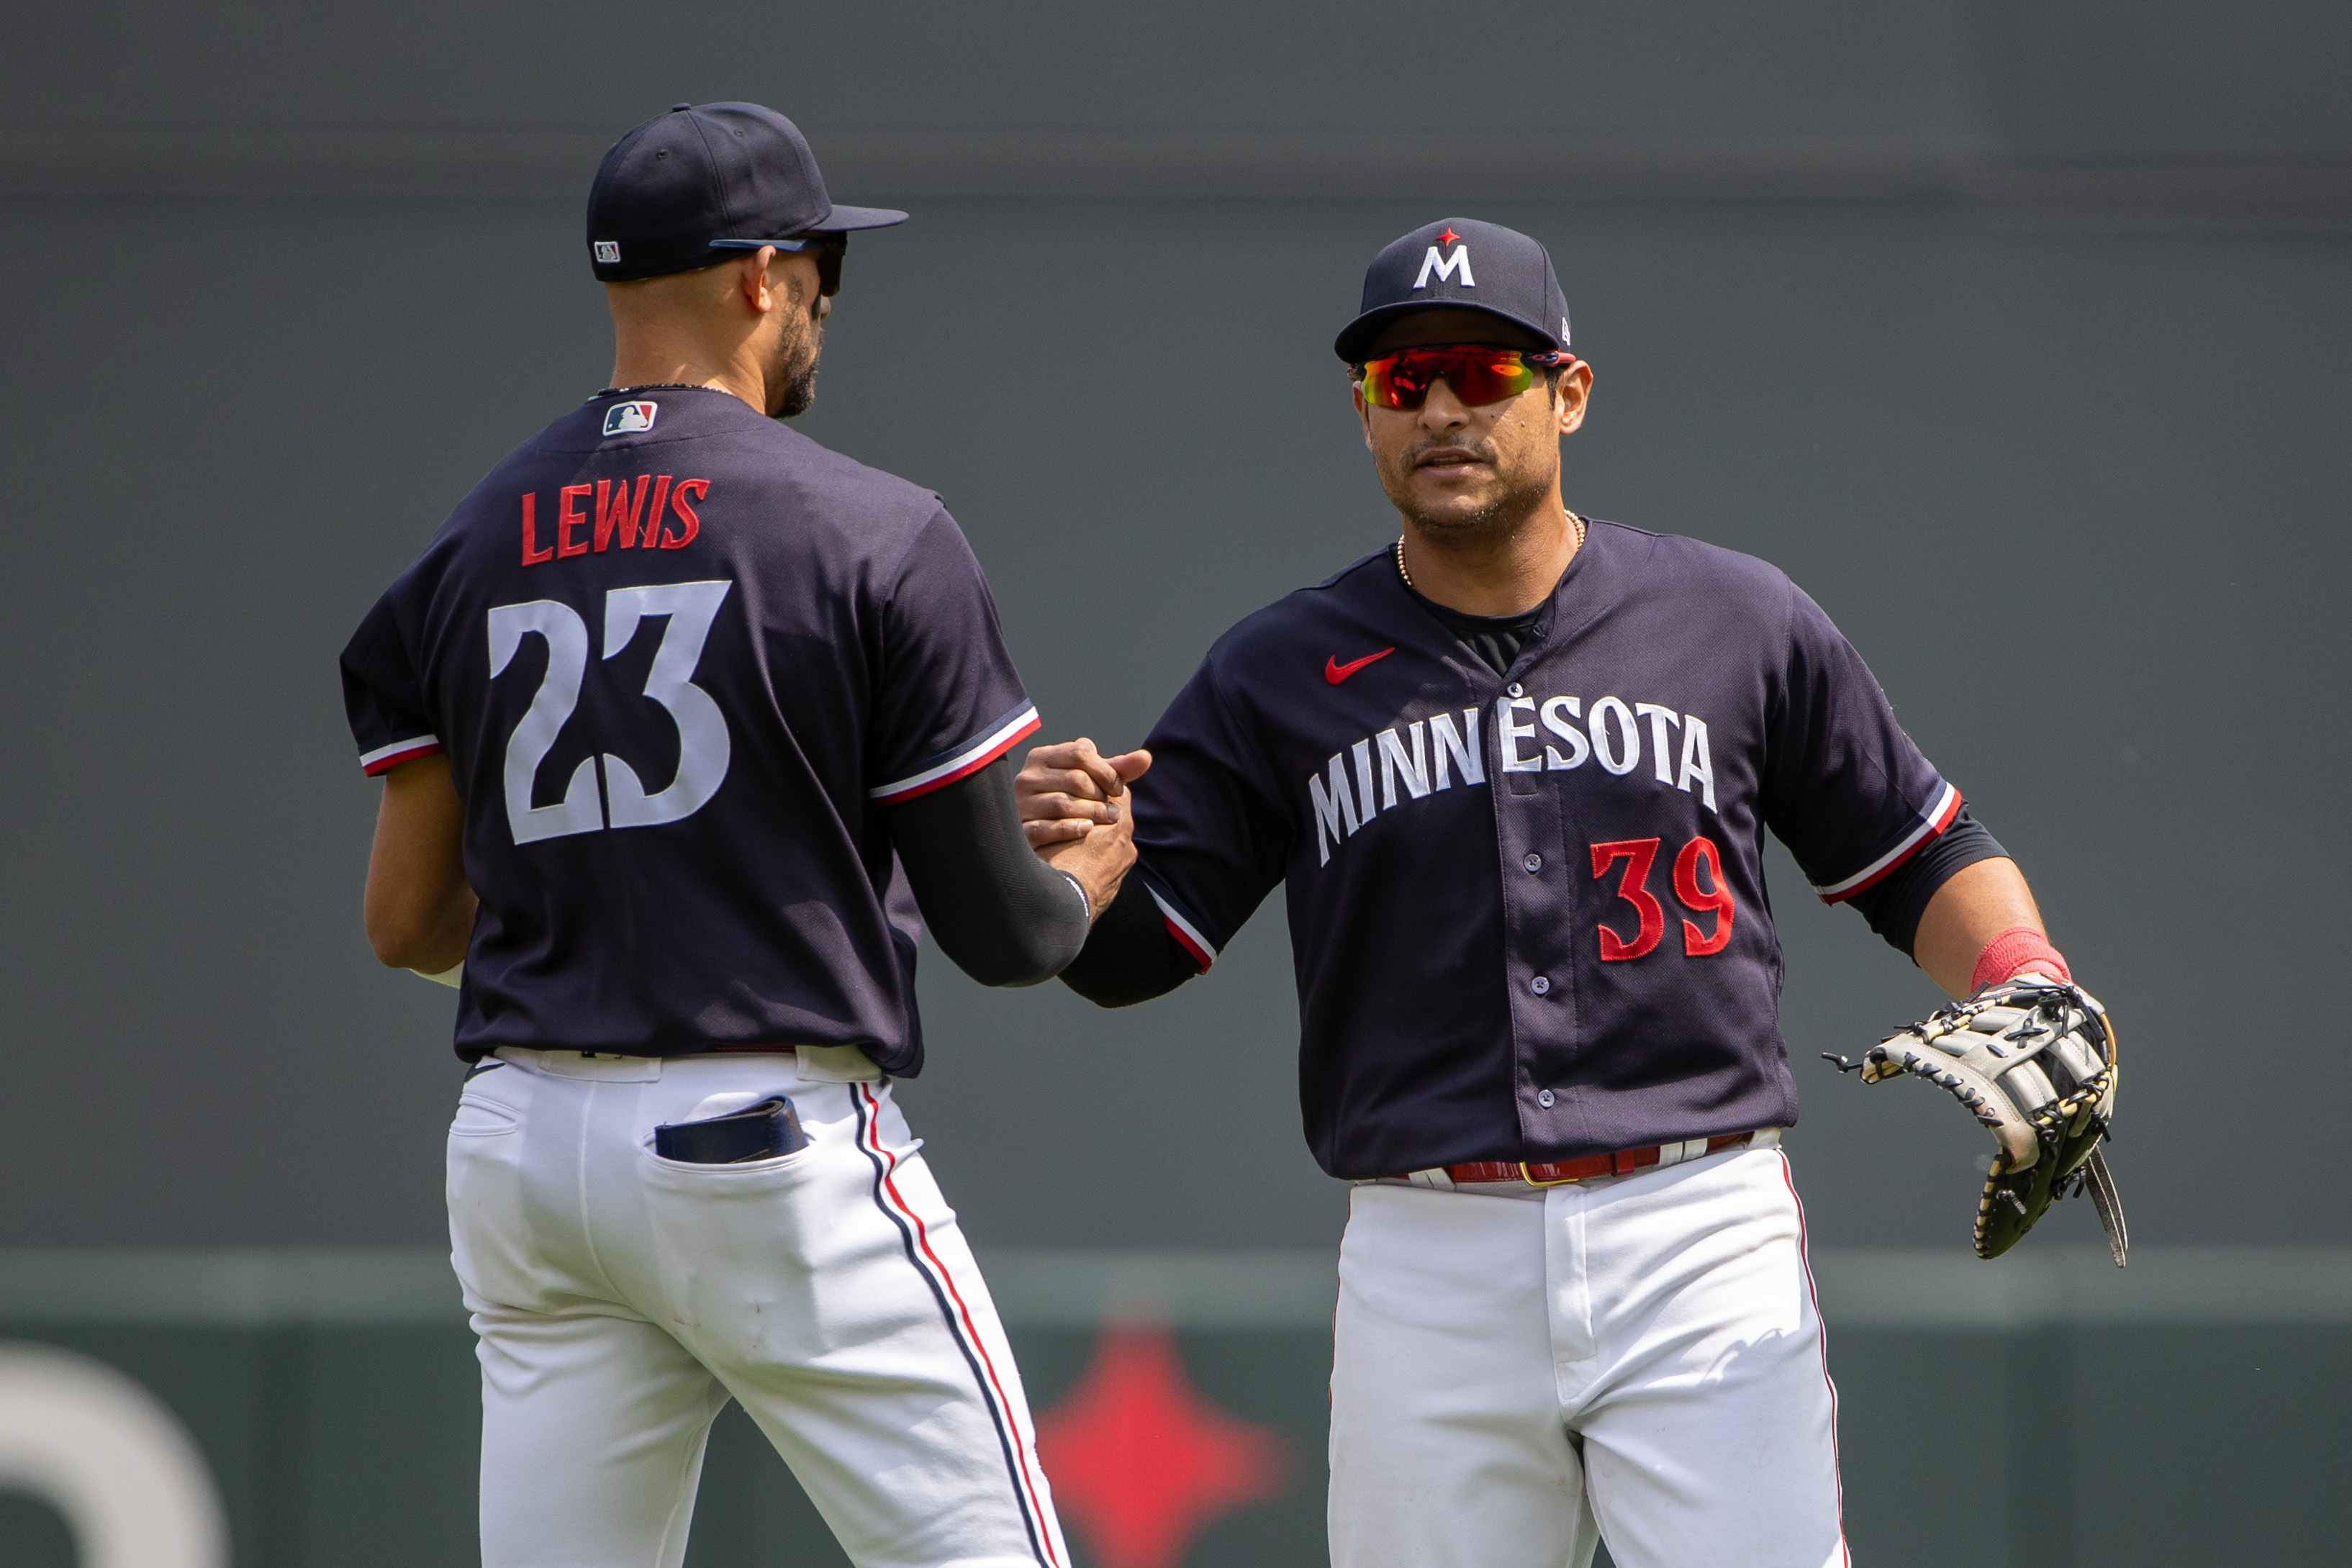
(1408, 576)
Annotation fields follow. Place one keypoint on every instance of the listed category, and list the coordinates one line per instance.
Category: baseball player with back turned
(1512, 773)
(688, 727)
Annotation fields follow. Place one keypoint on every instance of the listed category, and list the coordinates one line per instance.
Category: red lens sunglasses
(1477, 373)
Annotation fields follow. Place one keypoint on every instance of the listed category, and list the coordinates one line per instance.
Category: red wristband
(2011, 953)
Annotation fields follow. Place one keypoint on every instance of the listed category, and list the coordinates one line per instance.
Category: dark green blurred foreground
(2190, 1411)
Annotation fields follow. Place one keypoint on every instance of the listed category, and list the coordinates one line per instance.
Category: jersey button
(1540, 985)
(1534, 862)
(1518, 690)
(1544, 1099)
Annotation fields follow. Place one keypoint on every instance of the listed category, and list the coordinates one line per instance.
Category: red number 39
(1639, 855)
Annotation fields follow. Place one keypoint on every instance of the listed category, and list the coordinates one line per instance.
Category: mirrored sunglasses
(1477, 374)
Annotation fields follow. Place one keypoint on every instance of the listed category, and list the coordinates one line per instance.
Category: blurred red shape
(1140, 1463)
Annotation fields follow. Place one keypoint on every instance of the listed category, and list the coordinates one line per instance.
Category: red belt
(1624, 1162)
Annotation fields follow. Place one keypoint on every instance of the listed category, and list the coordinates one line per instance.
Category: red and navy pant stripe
(915, 1236)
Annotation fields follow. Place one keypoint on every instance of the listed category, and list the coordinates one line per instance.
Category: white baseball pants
(1639, 1353)
(621, 1299)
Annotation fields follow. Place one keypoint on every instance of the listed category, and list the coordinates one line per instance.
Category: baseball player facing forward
(1512, 773)
(687, 727)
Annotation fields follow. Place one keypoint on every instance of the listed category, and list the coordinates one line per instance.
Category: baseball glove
(2033, 1060)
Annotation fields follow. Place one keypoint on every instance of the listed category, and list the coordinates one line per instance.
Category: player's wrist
(2014, 952)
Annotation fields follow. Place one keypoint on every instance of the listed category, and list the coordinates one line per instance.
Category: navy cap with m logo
(1464, 262)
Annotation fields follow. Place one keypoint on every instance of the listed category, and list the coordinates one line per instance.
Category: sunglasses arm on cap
(806, 242)
(828, 247)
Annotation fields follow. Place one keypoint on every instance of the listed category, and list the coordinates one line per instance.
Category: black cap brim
(1355, 339)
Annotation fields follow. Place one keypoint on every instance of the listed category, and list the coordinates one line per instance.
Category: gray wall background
(2016, 334)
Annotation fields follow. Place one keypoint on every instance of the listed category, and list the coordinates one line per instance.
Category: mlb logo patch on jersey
(629, 418)
(608, 250)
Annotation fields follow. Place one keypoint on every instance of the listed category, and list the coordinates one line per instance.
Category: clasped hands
(1074, 808)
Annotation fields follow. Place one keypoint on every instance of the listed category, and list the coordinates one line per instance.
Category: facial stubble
(797, 360)
(1516, 500)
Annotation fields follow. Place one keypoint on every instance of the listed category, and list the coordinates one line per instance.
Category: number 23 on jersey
(703, 747)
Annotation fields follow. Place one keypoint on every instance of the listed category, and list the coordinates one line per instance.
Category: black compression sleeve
(1131, 957)
(1893, 905)
(1004, 916)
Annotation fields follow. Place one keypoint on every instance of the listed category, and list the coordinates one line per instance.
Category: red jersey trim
(385, 757)
(1935, 821)
(964, 764)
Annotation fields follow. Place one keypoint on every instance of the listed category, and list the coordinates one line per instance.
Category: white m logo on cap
(1445, 267)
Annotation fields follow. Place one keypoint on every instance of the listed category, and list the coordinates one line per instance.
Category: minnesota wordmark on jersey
(1412, 761)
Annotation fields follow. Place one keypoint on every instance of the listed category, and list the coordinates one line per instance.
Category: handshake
(1071, 801)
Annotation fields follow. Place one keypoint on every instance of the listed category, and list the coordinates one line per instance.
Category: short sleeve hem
(964, 761)
(383, 759)
(1181, 927)
(1931, 822)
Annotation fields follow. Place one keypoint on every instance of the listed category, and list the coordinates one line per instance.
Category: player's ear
(1575, 388)
(1363, 413)
(752, 279)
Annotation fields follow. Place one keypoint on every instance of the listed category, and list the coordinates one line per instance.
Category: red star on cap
(1449, 236)
(1140, 1463)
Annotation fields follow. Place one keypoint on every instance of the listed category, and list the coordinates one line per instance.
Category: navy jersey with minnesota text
(678, 655)
(1528, 911)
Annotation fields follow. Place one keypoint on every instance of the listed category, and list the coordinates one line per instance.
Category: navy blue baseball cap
(1459, 262)
(692, 187)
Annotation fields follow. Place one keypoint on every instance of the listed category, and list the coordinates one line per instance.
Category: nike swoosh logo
(1335, 672)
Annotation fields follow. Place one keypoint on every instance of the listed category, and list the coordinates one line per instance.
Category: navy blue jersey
(678, 655)
(1528, 911)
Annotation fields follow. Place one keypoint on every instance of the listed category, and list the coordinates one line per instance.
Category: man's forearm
(1975, 905)
(439, 942)
(1129, 958)
(419, 908)
(1000, 914)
